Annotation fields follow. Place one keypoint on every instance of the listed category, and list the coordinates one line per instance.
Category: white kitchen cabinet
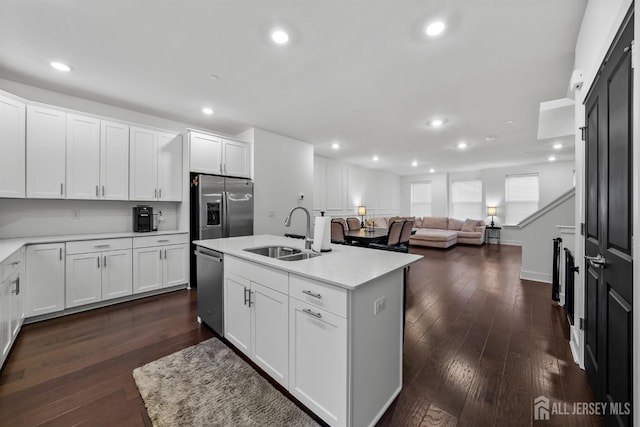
(46, 153)
(214, 155)
(98, 270)
(114, 161)
(12, 148)
(318, 361)
(45, 279)
(160, 262)
(11, 301)
(155, 166)
(256, 315)
(83, 157)
(5, 318)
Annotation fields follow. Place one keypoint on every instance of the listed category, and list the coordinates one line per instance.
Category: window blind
(522, 193)
(466, 199)
(421, 199)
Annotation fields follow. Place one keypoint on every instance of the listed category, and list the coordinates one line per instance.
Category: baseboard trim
(510, 242)
(535, 276)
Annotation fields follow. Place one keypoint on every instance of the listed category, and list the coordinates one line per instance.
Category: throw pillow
(470, 224)
(455, 224)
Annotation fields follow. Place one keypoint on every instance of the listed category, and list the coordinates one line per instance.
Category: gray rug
(209, 385)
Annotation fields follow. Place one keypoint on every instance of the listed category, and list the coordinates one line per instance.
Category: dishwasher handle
(209, 254)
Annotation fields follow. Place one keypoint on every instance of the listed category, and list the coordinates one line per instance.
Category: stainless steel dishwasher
(210, 268)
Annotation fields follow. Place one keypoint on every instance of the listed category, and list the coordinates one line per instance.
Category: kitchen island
(327, 328)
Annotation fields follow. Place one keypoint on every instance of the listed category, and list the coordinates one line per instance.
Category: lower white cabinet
(160, 262)
(98, 270)
(45, 279)
(257, 318)
(11, 301)
(318, 355)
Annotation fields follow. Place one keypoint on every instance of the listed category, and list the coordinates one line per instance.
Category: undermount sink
(283, 253)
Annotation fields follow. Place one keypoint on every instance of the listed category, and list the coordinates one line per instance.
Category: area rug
(209, 385)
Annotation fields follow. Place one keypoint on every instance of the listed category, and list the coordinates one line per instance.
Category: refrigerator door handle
(225, 216)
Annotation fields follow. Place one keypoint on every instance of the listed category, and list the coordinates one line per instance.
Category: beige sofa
(443, 232)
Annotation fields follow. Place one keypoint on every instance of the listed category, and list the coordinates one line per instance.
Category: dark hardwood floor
(480, 345)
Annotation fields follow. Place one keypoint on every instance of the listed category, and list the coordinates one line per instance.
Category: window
(521, 196)
(421, 199)
(466, 199)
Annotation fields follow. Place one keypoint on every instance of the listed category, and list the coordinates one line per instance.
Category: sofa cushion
(470, 224)
(435, 222)
(434, 235)
(418, 223)
(455, 224)
(469, 234)
(380, 222)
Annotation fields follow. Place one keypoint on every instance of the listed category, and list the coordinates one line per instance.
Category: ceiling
(360, 73)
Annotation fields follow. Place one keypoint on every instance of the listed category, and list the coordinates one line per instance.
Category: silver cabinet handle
(98, 261)
(245, 296)
(165, 254)
(17, 282)
(15, 263)
(97, 191)
(104, 263)
(311, 313)
(160, 251)
(251, 292)
(220, 167)
(103, 191)
(160, 193)
(312, 294)
(163, 240)
(155, 193)
(60, 254)
(102, 246)
(62, 189)
(596, 261)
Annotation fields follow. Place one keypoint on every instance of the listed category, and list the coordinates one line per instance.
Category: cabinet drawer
(11, 265)
(277, 280)
(161, 240)
(102, 245)
(318, 294)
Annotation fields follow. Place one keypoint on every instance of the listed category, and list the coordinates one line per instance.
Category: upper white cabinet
(12, 140)
(155, 166)
(114, 161)
(46, 154)
(215, 155)
(83, 157)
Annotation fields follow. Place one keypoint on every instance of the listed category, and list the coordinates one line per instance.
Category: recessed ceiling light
(557, 146)
(432, 170)
(552, 158)
(414, 163)
(60, 66)
(279, 36)
(207, 110)
(435, 28)
(462, 145)
(214, 76)
(335, 145)
(490, 138)
(436, 123)
(376, 158)
(509, 122)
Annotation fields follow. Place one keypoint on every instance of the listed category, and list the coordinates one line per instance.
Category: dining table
(365, 236)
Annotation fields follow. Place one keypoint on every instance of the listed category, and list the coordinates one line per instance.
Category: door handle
(103, 191)
(311, 313)
(62, 189)
(596, 261)
(160, 193)
(245, 296)
(97, 191)
(104, 261)
(312, 294)
(98, 261)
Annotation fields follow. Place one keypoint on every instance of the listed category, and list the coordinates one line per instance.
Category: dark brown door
(608, 231)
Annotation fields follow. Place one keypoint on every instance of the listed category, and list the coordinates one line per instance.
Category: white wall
(555, 179)
(31, 217)
(339, 189)
(283, 169)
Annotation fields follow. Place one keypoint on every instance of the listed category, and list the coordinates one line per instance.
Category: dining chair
(337, 231)
(353, 223)
(393, 238)
(405, 235)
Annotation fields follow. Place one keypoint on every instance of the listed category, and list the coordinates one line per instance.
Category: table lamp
(362, 211)
(492, 210)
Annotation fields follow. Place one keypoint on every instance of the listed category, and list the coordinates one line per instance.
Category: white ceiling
(358, 72)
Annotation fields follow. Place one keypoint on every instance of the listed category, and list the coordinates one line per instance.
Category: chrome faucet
(307, 237)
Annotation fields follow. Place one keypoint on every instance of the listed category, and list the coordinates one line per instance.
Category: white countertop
(345, 266)
(9, 246)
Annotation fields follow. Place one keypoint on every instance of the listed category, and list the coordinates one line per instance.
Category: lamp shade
(362, 210)
(492, 210)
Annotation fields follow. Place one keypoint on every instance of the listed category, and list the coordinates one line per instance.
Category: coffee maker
(142, 219)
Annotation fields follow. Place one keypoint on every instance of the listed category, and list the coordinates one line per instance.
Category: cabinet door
(46, 140)
(45, 279)
(175, 260)
(269, 332)
(83, 157)
(147, 269)
(170, 167)
(143, 157)
(318, 361)
(237, 313)
(12, 146)
(17, 307)
(84, 278)
(117, 274)
(114, 161)
(237, 158)
(5, 318)
(206, 153)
